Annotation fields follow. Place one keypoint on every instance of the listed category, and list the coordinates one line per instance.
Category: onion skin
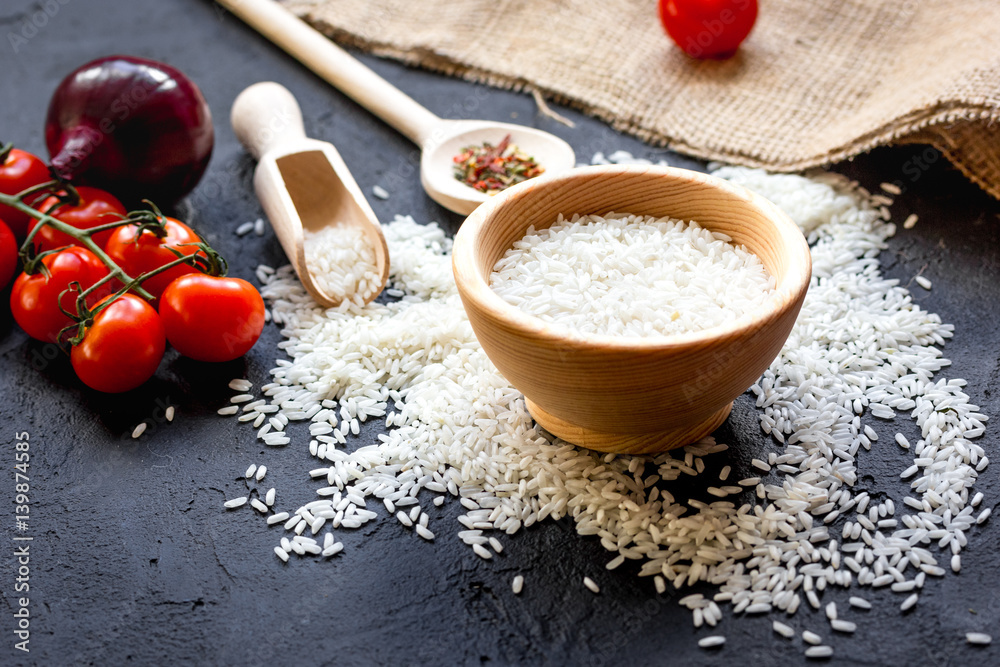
(135, 127)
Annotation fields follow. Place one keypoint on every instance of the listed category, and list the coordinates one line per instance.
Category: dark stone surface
(134, 562)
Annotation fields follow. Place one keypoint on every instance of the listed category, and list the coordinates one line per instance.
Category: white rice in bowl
(632, 275)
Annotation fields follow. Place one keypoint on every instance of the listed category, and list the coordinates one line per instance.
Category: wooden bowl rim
(473, 286)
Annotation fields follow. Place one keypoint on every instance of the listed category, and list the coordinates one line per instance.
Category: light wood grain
(440, 140)
(630, 394)
(629, 443)
(302, 183)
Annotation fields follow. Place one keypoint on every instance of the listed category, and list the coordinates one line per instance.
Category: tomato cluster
(118, 339)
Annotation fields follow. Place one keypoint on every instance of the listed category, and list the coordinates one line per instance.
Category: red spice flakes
(490, 168)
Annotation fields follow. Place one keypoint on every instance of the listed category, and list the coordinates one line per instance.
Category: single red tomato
(8, 254)
(96, 207)
(18, 172)
(211, 318)
(122, 348)
(35, 299)
(138, 253)
(708, 28)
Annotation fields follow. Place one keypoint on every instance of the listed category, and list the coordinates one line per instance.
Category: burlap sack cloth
(817, 81)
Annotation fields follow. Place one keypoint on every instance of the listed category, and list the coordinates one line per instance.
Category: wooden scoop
(440, 140)
(302, 183)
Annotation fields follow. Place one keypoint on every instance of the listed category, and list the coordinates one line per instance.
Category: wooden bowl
(629, 394)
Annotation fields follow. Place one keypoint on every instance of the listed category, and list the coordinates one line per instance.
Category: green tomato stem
(90, 231)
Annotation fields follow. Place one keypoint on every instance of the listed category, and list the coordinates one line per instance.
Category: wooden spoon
(440, 140)
(302, 183)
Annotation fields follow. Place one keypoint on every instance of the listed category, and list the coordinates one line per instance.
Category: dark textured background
(135, 562)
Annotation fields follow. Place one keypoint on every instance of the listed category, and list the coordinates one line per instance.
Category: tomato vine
(64, 294)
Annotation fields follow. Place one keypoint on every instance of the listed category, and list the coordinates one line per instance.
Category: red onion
(135, 127)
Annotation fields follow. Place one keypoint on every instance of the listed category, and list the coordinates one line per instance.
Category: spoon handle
(336, 66)
(266, 117)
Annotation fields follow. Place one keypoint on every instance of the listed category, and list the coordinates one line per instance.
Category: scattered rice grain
(711, 641)
(235, 502)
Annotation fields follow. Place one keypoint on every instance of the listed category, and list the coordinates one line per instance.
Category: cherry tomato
(18, 172)
(708, 28)
(122, 348)
(138, 253)
(8, 254)
(96, 208)
(35, 299)
(211, 318)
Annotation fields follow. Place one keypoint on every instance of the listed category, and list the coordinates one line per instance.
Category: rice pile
(342, 263)
(860, 351)
(631, 275)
